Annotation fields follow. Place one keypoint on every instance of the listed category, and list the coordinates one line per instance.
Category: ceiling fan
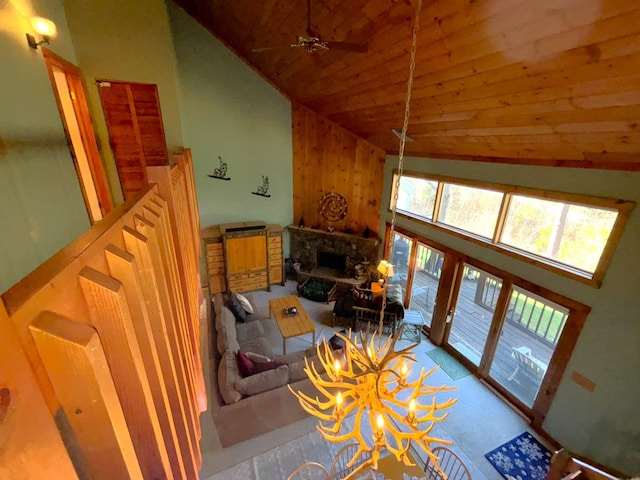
(311, 42)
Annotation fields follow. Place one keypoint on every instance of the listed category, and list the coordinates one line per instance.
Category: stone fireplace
(331, 253)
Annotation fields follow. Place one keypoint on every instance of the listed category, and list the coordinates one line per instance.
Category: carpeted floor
(448, 364)
(523, 458)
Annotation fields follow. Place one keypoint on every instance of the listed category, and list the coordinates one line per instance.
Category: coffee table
(291, 326)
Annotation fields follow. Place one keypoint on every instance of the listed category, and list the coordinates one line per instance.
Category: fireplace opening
(333, 261)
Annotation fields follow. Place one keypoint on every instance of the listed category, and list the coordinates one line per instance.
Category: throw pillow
(245, 303)
(232, 303)
(264, 366)
(245, 365)
(257, 357)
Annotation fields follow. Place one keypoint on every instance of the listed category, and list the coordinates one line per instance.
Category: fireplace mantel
(306, 242)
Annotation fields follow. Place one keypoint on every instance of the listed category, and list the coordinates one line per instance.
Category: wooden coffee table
(291, 326)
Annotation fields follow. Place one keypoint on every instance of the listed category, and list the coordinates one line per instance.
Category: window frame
(622, 207)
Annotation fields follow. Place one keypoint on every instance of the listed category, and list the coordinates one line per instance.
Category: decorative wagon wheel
(333, 206)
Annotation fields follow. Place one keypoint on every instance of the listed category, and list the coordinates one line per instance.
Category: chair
(529, 366)
(450, 464)
(339, 468)
(564, 466)
(310, 471)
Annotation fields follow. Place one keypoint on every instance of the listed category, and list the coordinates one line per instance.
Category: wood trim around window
(623, 207)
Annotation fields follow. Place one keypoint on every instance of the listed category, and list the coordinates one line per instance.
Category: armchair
(362, 305)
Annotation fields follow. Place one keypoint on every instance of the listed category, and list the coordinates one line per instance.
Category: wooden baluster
(75, 362)
(111, 316)
(158, 216)
(151, 232)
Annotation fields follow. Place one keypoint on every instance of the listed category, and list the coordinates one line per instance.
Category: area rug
(450, 365)
(523, 458)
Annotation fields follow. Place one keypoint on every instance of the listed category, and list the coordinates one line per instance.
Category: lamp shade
(385, 268)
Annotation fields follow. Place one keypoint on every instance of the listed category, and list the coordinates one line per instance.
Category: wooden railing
(100, 370)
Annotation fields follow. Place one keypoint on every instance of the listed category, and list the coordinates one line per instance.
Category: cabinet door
(246, 254)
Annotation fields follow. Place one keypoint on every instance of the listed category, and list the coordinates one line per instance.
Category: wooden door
(74, 110)
(134, 120)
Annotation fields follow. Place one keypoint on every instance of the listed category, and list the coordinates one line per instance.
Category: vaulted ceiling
(554, 82)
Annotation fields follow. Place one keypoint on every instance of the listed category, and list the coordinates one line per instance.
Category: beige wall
(230, 111)
(604, 424)
(41, 204)
(128, 41)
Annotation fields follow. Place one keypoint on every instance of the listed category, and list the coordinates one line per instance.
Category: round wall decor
(333, 206)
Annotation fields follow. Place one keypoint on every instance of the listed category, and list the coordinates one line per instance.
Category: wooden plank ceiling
(553, 82)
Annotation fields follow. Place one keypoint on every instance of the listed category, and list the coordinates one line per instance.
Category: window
(417, 195)
(474, 210)
(569, 234)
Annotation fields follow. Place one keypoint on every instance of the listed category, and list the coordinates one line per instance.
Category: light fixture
(44, 27)
(385, 268)
(371, 378)
(371, 382)
(398, 133)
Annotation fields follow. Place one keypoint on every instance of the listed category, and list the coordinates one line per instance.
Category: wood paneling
(327, 158)
(546, 83)
(109, 337)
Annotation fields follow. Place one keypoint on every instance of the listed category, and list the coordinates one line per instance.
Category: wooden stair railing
(102, 340)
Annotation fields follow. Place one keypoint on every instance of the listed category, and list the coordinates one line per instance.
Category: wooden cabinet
(275, 254)
(214, 254)
(243, 256)
(245, 253)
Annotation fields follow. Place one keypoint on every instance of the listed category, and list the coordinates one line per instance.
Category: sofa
(244, 407)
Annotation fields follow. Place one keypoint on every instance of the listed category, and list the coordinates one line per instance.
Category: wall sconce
(44, 27)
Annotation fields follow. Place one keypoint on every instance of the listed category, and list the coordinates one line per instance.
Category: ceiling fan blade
(264, 49)
(348, 46)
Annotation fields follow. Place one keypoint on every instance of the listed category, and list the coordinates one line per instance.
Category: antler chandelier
(371, 382)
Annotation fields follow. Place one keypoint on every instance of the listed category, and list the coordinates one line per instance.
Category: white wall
(603, 425)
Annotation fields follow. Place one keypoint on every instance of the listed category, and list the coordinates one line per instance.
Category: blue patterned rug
(523, 458)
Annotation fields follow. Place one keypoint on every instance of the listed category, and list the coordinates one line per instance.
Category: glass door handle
(450, 315)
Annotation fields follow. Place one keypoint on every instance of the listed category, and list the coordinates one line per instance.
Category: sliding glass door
(477, 297)
(530, 332)
(427, 271)
(508, 331)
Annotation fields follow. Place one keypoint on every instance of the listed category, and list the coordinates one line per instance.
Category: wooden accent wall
(328, 158)
(109, 327)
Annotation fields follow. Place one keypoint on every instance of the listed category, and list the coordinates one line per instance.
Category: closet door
(136, 135)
